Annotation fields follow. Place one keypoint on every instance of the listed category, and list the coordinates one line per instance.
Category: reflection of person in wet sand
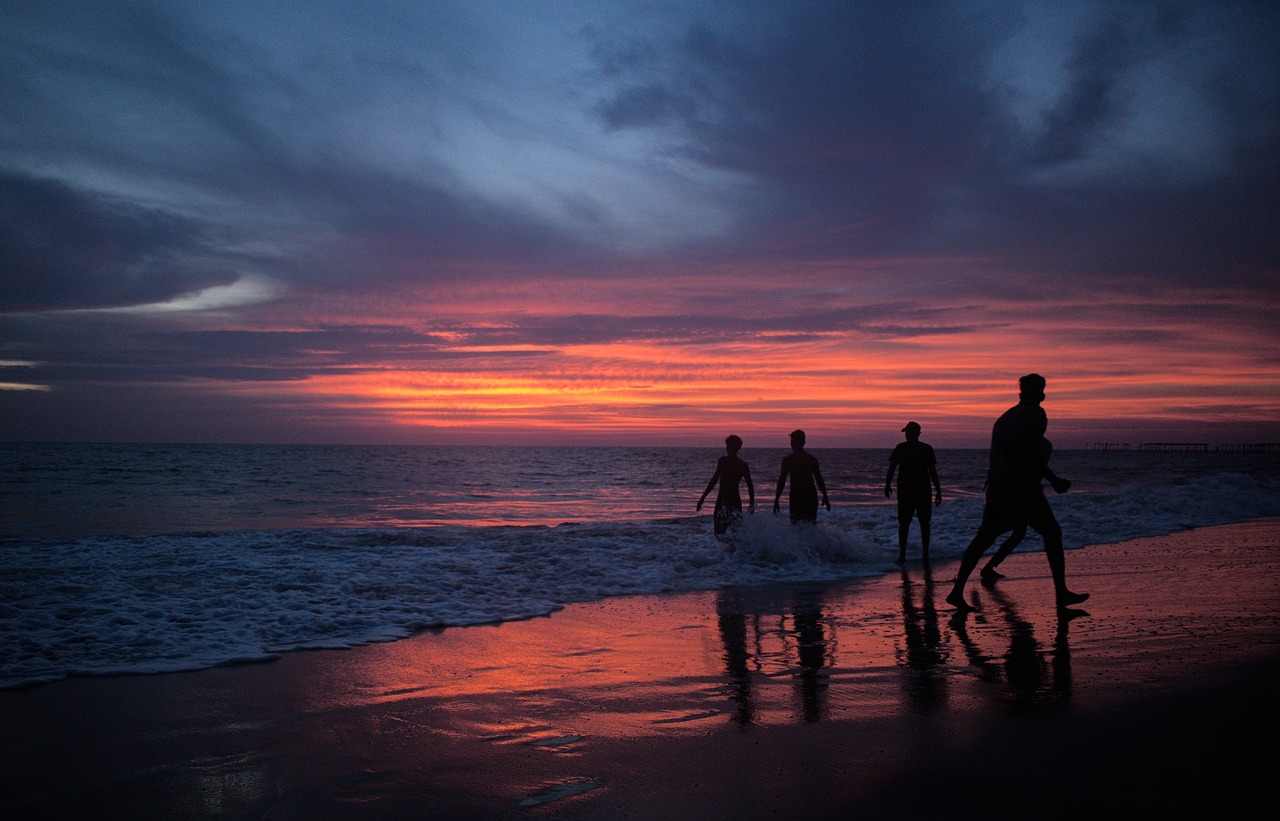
(916, 467)
(806, 480)
(1014, 494)
(1028, 678)
(808, 636)
(730, 472)
(732, 617)
(925, 658)
(811, 653)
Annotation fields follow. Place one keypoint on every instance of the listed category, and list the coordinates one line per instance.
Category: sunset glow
(837, 218)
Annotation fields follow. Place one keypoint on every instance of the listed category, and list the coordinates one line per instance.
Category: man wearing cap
(916, 467)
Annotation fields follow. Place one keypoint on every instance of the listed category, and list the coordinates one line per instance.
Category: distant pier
(1189, 447)
(1256, 447)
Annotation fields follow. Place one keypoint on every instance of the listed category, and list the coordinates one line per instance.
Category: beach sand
(865, 699)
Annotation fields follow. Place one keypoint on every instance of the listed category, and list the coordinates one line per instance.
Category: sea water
(149, 558)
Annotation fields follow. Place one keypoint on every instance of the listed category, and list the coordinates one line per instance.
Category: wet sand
(866, 699)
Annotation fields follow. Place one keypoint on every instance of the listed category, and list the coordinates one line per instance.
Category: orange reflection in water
(642, 666)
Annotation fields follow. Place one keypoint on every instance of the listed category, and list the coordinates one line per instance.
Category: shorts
(915, 503)
(725, 517)
(803, 510)
(1006, 509)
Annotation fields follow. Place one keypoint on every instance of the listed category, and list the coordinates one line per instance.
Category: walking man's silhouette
(917, 467)
(1014, 495)
(989, 573)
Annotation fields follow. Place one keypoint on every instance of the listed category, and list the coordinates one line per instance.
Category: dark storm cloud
(111, 348)
(61, 248)
(164, 104)
(1091, 100)
(848, 113)
(855, 129)
(884, 128)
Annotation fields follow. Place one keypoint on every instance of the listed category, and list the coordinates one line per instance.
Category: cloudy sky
(637, 222)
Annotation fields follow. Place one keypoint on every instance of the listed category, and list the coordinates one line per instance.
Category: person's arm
(751, 489)
(822, 486)
(715, 477)
(937, 485)
(782, 481)
(1044, 451)
(1060, 485)
(888, 478)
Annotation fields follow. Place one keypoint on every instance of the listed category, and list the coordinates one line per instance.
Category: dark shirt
(1017, 453)
(914, 461)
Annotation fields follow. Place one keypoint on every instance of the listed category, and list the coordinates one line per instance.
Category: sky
(637, 223)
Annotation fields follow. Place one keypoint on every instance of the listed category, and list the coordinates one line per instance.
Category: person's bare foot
(956, 600)
(990, 574)
(1067, 598)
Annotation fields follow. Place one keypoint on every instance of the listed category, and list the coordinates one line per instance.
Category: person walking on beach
(730, 471)
(989, 573)
(916, 467)
(806, 480)
(1015, 496)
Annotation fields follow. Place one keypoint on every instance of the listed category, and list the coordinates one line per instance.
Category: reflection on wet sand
(1022, 674)
(652, 705)
(924, 655)
(551, 692)
(763, 641)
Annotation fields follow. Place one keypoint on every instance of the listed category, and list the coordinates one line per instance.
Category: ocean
(150, 558)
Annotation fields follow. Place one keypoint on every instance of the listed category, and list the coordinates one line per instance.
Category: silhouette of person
(1015, 495)
(916, 467)
(806, 480)
(730, 471)
(989, 573)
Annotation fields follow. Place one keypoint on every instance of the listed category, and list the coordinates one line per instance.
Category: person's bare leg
(1058, 567)
(989, 572)
(924, 540)
(984, 538)
(904, 527)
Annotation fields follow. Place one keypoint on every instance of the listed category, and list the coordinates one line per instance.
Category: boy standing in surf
(730, 471)
(806, 481)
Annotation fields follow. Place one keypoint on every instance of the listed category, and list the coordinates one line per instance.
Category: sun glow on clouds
(607, 219)
(761, 375)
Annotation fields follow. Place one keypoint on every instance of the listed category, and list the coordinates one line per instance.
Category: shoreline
(860, 696)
